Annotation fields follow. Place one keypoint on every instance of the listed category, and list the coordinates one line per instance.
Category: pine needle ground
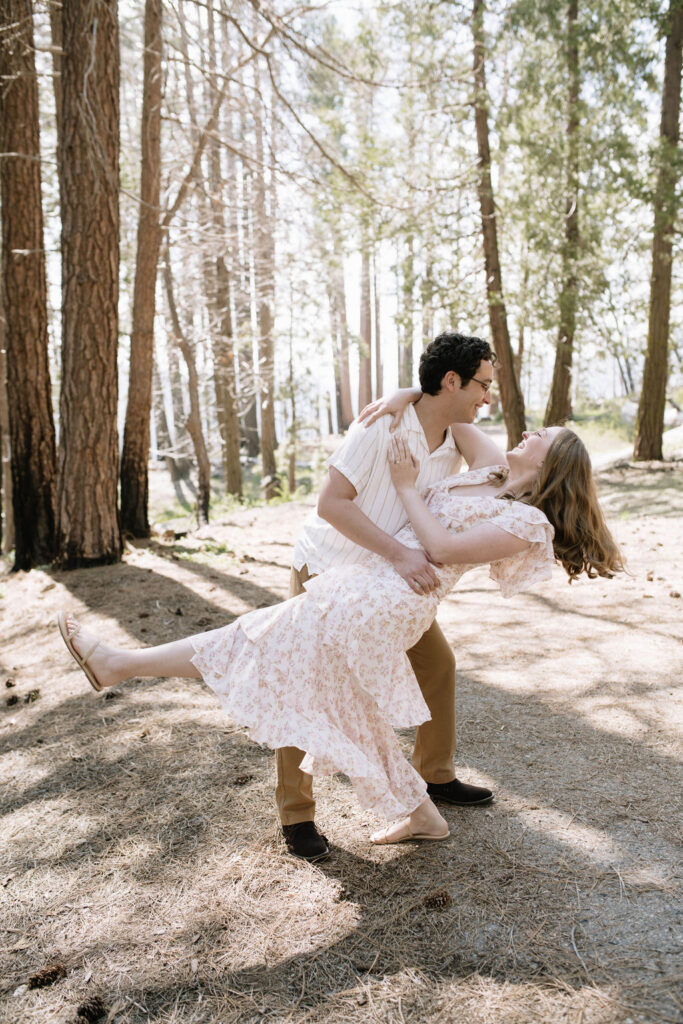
(139, 843)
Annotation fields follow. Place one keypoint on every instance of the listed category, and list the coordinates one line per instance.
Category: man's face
(466, 402)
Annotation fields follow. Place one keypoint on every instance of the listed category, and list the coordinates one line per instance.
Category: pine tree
(88, 531)
(135, 455)
(650, 418)
(31, 429)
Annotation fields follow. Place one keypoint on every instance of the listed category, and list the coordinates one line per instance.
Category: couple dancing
(325, 677)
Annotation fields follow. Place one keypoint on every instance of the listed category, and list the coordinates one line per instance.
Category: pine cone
(90, 1010)
(438, 900)
(47, 976)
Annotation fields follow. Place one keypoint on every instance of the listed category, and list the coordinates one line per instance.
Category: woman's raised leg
(110, 665)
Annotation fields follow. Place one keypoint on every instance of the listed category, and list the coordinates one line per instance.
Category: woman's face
(533, 447)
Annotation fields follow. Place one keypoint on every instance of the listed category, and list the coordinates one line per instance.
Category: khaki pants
(434, 666)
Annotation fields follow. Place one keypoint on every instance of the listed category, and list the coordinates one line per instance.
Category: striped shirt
(362, 459)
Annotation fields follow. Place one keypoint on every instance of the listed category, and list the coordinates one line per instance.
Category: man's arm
(337, 506)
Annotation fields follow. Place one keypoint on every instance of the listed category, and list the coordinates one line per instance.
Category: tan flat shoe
(404, 836)
(81, 661)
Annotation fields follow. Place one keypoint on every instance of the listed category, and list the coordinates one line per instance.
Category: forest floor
(140, 851)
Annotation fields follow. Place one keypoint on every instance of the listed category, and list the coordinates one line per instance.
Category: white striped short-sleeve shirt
(362, 459)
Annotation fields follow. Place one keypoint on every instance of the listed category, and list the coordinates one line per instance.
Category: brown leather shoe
(303, 840)
(460, 794)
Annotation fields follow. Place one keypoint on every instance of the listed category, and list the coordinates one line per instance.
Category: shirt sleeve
(359, 451)
(533, 565)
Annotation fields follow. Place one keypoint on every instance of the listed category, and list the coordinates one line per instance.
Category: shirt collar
(411, 425)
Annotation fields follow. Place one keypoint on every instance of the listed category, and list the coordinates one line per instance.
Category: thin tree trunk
(135, 456)
(222, 335)
(193, 423)
(405, 369)
(264, 264)
(248, 392)
(650, 417)
(510, 392)
(427, 290)
(31, 427)
(334, 341)
(339, 296)
(379, 374)
(559, 407)
(365, 338)
(293, 425)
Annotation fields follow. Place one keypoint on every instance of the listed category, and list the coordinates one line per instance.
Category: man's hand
(415, 568)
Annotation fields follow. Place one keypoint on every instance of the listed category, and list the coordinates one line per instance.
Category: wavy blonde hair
(565, 492)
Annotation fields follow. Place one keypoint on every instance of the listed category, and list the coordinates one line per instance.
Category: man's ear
(451, 381)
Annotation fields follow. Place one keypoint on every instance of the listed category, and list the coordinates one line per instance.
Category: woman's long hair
(565, 492)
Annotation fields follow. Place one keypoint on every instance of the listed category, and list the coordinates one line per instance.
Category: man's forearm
(347, 518)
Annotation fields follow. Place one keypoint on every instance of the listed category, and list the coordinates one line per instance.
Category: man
(359, 509)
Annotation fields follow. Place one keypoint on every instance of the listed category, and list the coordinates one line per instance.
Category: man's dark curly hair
(450, 351)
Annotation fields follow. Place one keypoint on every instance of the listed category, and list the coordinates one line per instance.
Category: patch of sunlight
(653, 876)
(613, 719)
(584, 840)
(575, 670)
(29, 826)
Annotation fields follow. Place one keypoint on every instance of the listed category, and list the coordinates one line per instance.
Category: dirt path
(139, 848)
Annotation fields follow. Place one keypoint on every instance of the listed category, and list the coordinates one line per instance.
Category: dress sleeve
(534, 564)
(358, 452)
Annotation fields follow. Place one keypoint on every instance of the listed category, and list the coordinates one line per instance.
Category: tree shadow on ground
(510, 899)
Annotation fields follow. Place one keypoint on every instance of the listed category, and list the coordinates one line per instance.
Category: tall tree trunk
(194, 420)
(32, 435)
(248, 391)
(405, 368)
(339, 297)
(559, 407)
(222, 335)
(650, 418)
(89, 531)
(510, 392)
(135, 456)
(365, 337)
(264, 265)
(427, 290)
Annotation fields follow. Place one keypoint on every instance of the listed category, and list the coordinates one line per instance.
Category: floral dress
(327, 671)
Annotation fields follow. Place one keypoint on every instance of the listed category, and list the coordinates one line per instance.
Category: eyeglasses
(486, 384)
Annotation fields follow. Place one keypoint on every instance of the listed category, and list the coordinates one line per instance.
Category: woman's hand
(403, 465)
(395, 405)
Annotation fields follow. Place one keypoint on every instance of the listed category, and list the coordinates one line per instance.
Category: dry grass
(139, 847)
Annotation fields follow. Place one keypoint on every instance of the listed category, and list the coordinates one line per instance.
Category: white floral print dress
(327, 671)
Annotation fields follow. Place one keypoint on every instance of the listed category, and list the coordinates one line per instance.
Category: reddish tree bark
(135, 455)
(510, 392)
(89, 531)
(31, 428)
(650, 417)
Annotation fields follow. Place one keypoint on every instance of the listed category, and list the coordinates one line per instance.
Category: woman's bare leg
(112, 665)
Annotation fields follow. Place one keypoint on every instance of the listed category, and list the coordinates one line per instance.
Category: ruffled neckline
(471, 476)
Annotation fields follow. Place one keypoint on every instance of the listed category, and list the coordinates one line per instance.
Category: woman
(326, 671)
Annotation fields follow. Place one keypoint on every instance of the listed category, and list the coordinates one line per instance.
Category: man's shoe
(459, 793)
(304, 840)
